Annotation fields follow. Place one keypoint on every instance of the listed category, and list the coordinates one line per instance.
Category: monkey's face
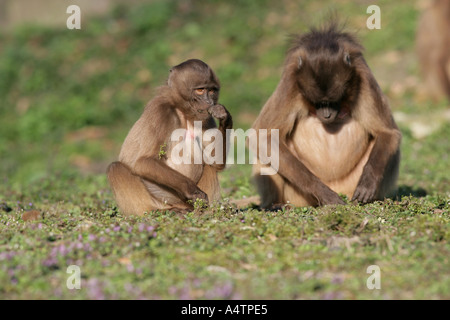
(203, 98)
(324, 79)
(196, 86)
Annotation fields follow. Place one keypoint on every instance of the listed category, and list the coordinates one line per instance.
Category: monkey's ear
(347, 59)
(300, 62)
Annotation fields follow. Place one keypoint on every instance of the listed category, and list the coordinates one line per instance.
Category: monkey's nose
(327, 113)
(324, 104)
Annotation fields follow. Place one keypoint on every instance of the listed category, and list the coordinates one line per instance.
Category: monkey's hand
(193, 193)
(367, 187)
(219, 112)
(328, 196)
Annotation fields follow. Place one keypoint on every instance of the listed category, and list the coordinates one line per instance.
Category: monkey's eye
(347, 59)
(200, 91)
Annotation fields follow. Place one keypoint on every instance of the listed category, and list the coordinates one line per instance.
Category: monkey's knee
(275, 190)
(115, 170)
(130, 193)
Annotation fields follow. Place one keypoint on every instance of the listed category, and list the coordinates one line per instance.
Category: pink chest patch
(189, 135)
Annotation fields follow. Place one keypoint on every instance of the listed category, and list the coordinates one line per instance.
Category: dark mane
(329, 36)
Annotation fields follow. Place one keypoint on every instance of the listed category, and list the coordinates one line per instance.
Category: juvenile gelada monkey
(146, 178)
(336, 131)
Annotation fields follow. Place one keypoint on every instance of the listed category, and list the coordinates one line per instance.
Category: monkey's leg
(130, 193)
(273, 189)
(310, 189)
(268, 190)
(136, 196)
(165, 198)
(307, 188)
(158, 173)
(209, 183)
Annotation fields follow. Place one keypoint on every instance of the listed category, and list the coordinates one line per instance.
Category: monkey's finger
(218, 111)
(201, 196)
(355, 195)
(359, 196)
(363, 196)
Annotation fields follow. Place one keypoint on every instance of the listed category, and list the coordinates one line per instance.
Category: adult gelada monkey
(146, 178)
(336, 130)
(433, 47)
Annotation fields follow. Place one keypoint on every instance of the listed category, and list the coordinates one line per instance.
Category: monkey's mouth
(327, 112)
(202, 112)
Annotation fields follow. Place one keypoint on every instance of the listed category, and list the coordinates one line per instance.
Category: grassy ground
(69, 98)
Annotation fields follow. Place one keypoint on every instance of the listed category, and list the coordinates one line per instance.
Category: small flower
(50, 262)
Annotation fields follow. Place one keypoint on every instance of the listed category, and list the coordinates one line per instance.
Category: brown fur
(433, 48)
(337, 134)
(145, 178)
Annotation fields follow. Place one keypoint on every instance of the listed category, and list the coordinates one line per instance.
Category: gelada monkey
(336, 131)
(433, 47)
(146, 177)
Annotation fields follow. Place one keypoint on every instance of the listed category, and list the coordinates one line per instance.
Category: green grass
(225, 253)
(69, 98)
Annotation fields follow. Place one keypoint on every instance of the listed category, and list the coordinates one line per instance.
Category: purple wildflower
(94, 289)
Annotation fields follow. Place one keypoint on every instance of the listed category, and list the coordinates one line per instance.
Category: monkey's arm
(386, 147)
(225, 122)
(157, 171)
(299, 176)
(290, 167)
(376, 117)
(152, 131)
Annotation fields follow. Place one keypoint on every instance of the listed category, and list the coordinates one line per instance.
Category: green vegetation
(70, 97)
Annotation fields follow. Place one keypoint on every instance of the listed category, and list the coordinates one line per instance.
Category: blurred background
(69, 97)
